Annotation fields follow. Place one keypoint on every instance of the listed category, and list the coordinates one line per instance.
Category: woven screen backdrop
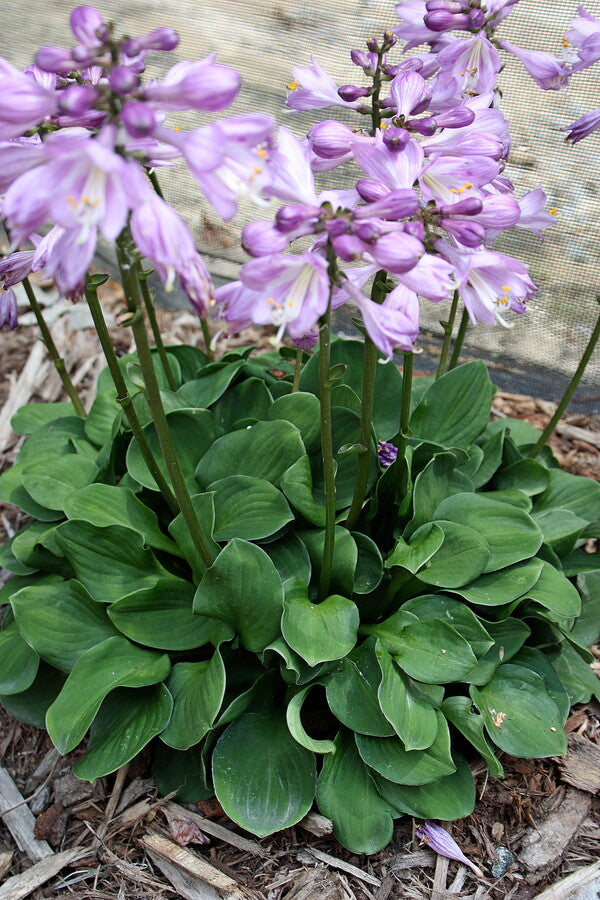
(265, 38)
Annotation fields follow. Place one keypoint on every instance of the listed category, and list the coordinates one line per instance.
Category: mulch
(536, 826)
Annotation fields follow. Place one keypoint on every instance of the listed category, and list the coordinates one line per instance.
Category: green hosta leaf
(193, 432)
(204, 507)
(318, 632)
(538, 662)
(17, 582)
(406, 708)
(248, 508)
(265, 450)
(345, 556)
(432, 485)
(456, 408)
(30, 544)
(18, 662)
(343, 395)
(190, 359)
(352, 692)
(390, 758)
(251, 394)
(369, 565)
(498, 588)
(454, 613)
(577, 678)
(432, 652)
(171, 402)
(32, 416)
(419, 551)
(511, 533)
(579, 563)
(180, 773)
(162, 617)
(512, 497)
(12, 491)
(460, 712)
(492, 457)
(61, 621)
(263, 778)
(346, 794)
(53, 439)
(10, 562)
(527, 475)
(125, 723)
(561, 529)
(448, 798)
(198, 689)
(243, 589)
(297, 730)
(463, 556)
(114, 663)
(521, 432)
(104, 418)
(105, 381)
(31, 704)
(304, 411)
(103, 505)
(586, 629)
(110, 562)
(471, 465)
(509, 636)
(555, 592)
(388, 382)
(580, 495)
(290, 557)
(297, 485)
(212, 382)
(520, 715)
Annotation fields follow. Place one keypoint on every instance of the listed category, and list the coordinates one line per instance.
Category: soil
(109, 820)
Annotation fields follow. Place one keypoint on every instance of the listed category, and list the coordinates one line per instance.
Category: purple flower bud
(387, 453)
(373, 45)
(389, 40)
(398, 252)
(457, 117)
(360, 58)
(348, 247)
(452, 6)
(330, 139)
(308, 342)
(77, 99)
(367, 231)
(396, 139)
(476, 19)
(415, 228)
(139, 120)
(350, 92)
(426, 126)
(122, 80)
(84, 55)
(470, 206)
(469, 234)
(8, 308)
(290, 217)
(439, 840)
(54, 59)
(369, 189)
(337, 227)
(86, 24)
(131, 47)
(160, 39)
(441, 20)
(261, 238)
(395, 205)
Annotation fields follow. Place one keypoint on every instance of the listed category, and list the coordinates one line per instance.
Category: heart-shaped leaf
(405, 706)
(198, 690)
(248, 508)
(390, 758)
(318, 632)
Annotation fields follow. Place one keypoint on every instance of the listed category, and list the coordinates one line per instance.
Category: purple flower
(88, 26)
(391, 325)
(17, 157)
(398, 252)
(394, 170)
(55, 59)
(24, 102)
(473, 64)
(331, 140)
(439, 840)
(548, 72)
(262, 237)
(313, 88)
(308, 342)
(16, 267)
(408, 91)
(582, 127)
(533, 217)
(387, 453)
(203, 85)
(8, 308)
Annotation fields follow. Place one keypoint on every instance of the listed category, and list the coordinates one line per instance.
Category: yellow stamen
(553, 211)
(177, 128)
(468, 185)
(261, 152)
(293, 85)
(257, 170)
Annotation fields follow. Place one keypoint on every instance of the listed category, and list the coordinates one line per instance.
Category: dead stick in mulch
(24, 884)
(438, 892)
(341, 864)
(19, 819)
(190, 864)
(564, 888)
(218, 831)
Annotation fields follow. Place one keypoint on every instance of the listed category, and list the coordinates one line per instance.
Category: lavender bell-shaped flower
(439, 840)
(387, 453)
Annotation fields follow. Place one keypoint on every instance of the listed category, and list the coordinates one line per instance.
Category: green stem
(207, 339)
(124, 398)
(595, 336)
(131, 288)
(297, 371)
(155, 183)
(448, 329)
(400, 475)
(160, 347)
(378, 293)
(58, 361)
(460, 339)
(326, 451)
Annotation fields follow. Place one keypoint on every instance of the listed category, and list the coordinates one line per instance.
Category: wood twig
(189, 865)
(219, 831)
(22, 885)
(19, 819)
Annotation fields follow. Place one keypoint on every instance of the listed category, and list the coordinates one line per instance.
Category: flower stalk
(57, 360)
(572, 387)
(448, 329)
(158, 341)
(327, 437)
(459, 341)
(297, 371)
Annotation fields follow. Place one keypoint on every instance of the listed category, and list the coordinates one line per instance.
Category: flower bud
(389, 40)
(77, 99)
(367, 231)
(122, 80)
(373, 45)
(84, 55)
(470, 206)
(398, 252)
(451, 6)
(395, 205)
(426, 127)
(441, 20)
(457, 117)
(131, 47)
(54, 59)
(360, 58)
(396, 139)
(308, 342)
(350, 92)
(8, 308)
(476, 19)
(159, 39)
(470, 234)
(369, 189)
(348, 247)
(387, 453)
(87, 25)
(290, 217)
(415, 228)
(260, 238)
(337, 227)
(330, 139)
(139, 120)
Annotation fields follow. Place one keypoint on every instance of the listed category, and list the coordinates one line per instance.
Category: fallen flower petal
(439, 840)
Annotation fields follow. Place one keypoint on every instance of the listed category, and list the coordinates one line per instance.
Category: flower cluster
(430, 197)
(79, 133)
(582, 41)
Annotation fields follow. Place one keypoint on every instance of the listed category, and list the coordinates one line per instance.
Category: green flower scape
(454, 624)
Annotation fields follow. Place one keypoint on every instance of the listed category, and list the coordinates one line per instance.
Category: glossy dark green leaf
(454, 613)
(124, 724)
(180, 773)
(61, 621)
(248, 508)
(462, 556)
(577, 677)
(345, 556)
(297, 485)
(263, 778)
(243, 589)
(555, 592)
(198, 689)
(162, 617)
(250, 394)
(432, 485)
(538, 662)
(369, 565)
(460, 712)
(32, 416)
(455, 409)
(414, 555)
(346, 794)
(561, 529)
(526, 475)
(318, 632)
(104, 418)
(293, 718)
(509, 635)
(448, 798)
(432, 651)
(18, 662)
(352, 692)
(406, 708)
(32, 704)
(204, 507)
(390, 758)
(566, 491)
(498, 588)
(304, 411)
(114, 663)
(290, 557)
(211, 383)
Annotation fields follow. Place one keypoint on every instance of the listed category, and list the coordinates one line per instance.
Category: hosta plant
(300, 576)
